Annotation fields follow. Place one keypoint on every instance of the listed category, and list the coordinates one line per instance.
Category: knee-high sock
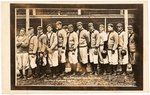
(92, 66)
(26, 72)
(95, 67)
(74, 68)
(84, 67)
(114, 68)
(21, 72)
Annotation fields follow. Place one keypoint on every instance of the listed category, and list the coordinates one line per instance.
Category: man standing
(84, 40)
(122, 48)
(22, 43)
(62, 41)
(103, 39)
(112, 48)
(132, 47)
(52, 49)
(41, 52)
(72, 47)
(93, 48)
(33, 45)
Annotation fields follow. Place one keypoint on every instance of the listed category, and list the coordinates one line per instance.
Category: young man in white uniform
(72, 48)
(52, 50)
(84, 40)
(112, 48)
(93, 48)
(22, 42)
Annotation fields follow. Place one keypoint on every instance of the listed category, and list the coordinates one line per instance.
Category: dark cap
(49, 25)
(101, 25)
(119, 25)
(58, 22)
(90, 24)
(70, 25)
(39, 27)
(79, 23)
(110, 24)
(30, 28)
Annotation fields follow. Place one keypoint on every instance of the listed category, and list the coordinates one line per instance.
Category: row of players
(107, 48)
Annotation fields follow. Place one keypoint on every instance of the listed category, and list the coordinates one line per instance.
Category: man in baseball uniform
(22, 43)
(72, 48)
(103, 56)
(62, 41)
(84, 40)
(41, 52)
(112, 48)
(93, 48)
(52, 49)
(33, 45)
(122, 47)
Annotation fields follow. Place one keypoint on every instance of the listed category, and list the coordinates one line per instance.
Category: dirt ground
(88, 80)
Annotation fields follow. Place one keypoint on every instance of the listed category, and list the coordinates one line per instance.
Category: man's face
(119, 28)
(110, 28)
(130, 30)
(79, 27)
(30, 32)
(91, 28)
(70, 29)
(22, 32)
(49, 28)
(58, 26)
(40, 31)
(101, 28)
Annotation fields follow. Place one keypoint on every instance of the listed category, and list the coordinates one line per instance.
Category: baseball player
(41, 52)
(22, 43)
(33, 45)
(132, 47)
(103, 39)
(93, 48)
(112, 48)
(122, 48)
(72, 47)
(62, 41)
(84, 39)
(52, 50)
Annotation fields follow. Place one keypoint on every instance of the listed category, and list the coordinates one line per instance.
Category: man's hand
(41, 55)
(18, 44)
(32, 56)
(113, 51)
(95, 52)
(104, 51)
(50, 50)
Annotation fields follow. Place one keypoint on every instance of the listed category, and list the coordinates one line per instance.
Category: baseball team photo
(77, 46)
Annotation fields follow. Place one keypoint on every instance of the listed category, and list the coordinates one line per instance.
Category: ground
(88, 80)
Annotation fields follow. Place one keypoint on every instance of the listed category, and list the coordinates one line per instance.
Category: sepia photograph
(76, 46)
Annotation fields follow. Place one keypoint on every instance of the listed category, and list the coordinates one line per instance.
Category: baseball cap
(130, 26)
(39, 27)
(49, 25)
(101, 25)
(110, 24)
(70, 25)
(58, 22)
(30, 28)
(119, 25)
(90, 24)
